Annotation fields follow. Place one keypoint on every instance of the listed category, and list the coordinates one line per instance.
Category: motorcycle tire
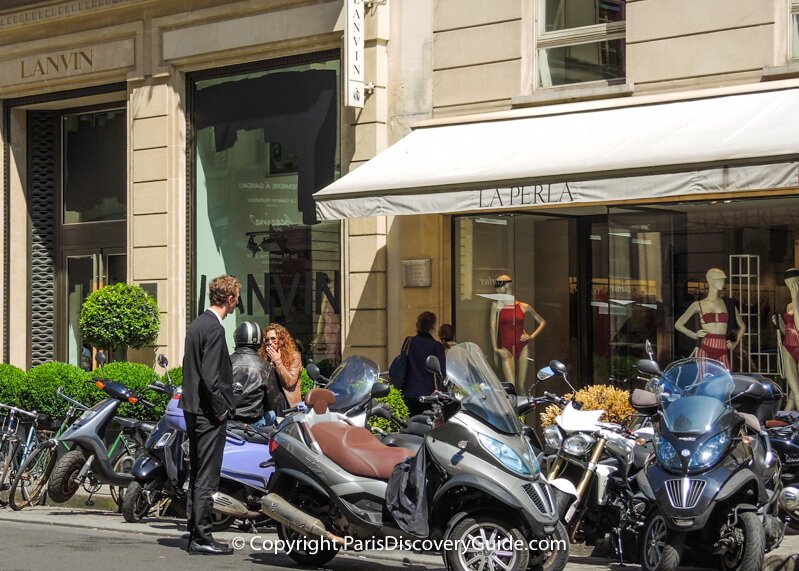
(134, 503)
(554, 559)
(752, 553)
(661, 548)
(470, 556)
(62, 485)
(312, 558)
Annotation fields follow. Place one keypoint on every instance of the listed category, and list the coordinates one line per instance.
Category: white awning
(717, 144)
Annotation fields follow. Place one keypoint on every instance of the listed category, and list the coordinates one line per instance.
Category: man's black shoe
(209, 549)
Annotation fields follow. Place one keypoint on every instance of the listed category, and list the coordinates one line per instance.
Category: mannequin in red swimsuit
(713, 321)
(790, 341)
(509, 337)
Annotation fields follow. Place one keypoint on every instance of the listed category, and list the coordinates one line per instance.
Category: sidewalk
(785, 558)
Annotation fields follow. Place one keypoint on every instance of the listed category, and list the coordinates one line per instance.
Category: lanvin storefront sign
(68, 62)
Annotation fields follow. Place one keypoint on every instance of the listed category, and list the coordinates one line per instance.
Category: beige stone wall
(674, 44)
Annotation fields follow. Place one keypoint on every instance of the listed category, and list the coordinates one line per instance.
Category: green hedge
(39, 390)
(11, 381)
(119, 316)
(398, 407)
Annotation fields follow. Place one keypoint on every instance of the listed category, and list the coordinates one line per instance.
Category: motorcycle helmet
(247, 334)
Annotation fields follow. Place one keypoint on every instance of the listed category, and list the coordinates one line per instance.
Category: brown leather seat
(357, 450)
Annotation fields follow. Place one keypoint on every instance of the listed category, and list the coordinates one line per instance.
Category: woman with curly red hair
(279, 349)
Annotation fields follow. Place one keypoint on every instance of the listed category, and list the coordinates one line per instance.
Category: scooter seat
(357, 450)
(129, 423)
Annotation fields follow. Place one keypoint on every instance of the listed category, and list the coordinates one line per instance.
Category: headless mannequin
(713, 321)
(508, 336)
(788, 348)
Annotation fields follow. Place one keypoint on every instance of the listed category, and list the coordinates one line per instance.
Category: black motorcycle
(716, 481)
(161, 471)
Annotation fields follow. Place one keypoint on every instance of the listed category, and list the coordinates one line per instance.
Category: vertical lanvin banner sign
(353, 54)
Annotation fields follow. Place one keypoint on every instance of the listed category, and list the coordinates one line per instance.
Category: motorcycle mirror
(649, 350)
(432, 365)
(545, 373)
(558, 368)
(312, 370)
(100, 358)
(380, 390)
(162, 361)
(648, 366)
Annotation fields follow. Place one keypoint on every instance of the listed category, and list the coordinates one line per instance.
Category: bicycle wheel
(8, 465)
(30, 482)
(123, 465)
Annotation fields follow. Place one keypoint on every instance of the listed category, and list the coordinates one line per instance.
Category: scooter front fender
(147, 469)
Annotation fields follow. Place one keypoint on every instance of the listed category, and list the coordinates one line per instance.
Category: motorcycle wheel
(750, 555)
(63, 485)
(661, 547)
(315, 557)
(123, 464)
(220, 521)
(553, 559)
(472, 533)
(134, 503)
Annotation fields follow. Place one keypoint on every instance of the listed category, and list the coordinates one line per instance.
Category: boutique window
(650, 264)
(580, 41)
(515, 291)
(265, 141)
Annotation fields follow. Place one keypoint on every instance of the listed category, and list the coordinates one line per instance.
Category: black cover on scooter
(406, 495)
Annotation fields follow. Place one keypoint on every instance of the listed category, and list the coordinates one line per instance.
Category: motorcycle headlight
(506, 455)
(579, 444)
(666, 453)
(552, 437)
(710, 451)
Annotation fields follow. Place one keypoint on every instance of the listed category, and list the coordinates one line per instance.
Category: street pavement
(82, 539)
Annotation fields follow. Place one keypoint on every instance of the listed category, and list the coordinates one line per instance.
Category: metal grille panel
(684, 493)
(42, 200)
(541, 497)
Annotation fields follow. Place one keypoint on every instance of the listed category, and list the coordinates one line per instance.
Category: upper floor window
(795, 29)
(580, 41)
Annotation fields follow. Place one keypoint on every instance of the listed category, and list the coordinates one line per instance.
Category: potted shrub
(119, 316)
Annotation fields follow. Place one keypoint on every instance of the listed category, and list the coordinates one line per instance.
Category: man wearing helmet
(259, 398)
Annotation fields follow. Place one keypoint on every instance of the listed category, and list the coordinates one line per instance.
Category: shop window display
(265, 141)
(645, 274)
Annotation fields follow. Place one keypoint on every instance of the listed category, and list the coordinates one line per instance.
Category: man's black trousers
(206, 446)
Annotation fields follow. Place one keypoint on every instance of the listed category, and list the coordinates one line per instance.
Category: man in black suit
(207, 403)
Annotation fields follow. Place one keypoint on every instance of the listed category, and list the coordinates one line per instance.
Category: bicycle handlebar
(70, 399)
(19, 410)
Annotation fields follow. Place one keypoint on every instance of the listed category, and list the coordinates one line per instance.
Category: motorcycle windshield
(479, 390)
(694, 394)
(352, 382)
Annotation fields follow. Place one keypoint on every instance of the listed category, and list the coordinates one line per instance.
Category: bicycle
(30, 485)
(13, 450)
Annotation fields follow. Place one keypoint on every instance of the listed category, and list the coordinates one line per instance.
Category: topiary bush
(12, 380)
(39, 389)
(119, 316)
(306, 383)
(615, 402)
(136, 377)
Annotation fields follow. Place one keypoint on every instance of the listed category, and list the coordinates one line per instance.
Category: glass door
(85, 273)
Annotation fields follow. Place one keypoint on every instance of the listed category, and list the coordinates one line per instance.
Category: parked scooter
(716, 482)
(88, 450)
(594, 470)
(483, 483)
